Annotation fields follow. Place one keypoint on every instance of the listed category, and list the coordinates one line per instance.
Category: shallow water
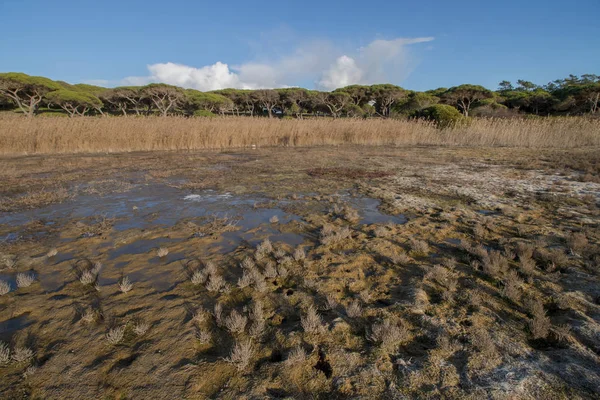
(142, 207)
(139, 247)
(12, 325)
(142, 210)
(151, 206)
(368, 209)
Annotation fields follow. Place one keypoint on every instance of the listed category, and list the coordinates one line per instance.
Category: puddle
(453, 241)
(149, 206)
(168, 259)
(254, 226)
(61, 257)
(10, 326)
(161, 281)
(141, 207)
(146, 206)
(231, 240)
(139, 247)
(11, 278)
(488, 212)
(254, 218)
(368, 210)
(52, 281)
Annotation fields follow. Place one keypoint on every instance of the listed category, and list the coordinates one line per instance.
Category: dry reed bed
(45, 135)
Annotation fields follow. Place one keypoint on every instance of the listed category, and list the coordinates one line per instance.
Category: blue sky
(317, 44)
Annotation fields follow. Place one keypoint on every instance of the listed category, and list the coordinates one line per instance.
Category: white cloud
(381, 61)
(211, 77)
(342, 73)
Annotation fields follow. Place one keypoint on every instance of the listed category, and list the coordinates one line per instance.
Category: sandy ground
(392, 273)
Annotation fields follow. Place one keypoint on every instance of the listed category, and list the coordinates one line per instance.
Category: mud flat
(326, 272)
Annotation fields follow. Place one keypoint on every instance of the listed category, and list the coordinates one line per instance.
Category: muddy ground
(338, 272)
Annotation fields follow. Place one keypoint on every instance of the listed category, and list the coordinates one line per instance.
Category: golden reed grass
(46, 135)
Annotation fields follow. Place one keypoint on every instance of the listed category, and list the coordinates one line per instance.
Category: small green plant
(443, 115)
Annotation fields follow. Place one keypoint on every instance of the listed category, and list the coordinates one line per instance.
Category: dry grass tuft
(577, 242)
(354, 309)
(299, 254)
(141, 327)
(87, 278)
(311, 321)
(330, 235)
(495, 264)
(4, 354)
(199, 277)
(162, 252)
(125, 285)
(389, 335)
(115, 335)
(265, 247)
(203, 336)
(22, 354)
(297, 356)
(25, 279)
(236, 323)
(89, 315)
(241, 354)
(4, 287)
(419, 247)
(215, 283)
(123, 134)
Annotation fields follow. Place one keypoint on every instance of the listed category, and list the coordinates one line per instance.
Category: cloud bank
(381, 61)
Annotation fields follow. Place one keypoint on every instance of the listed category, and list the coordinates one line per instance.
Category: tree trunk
(15, 96)
(594, 103)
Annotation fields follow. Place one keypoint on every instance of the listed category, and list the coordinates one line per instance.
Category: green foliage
(204, 113)
(360, 94)
(26, 91)
(74, 102)
(196, 100)
(385, 96)
(92, 89)
(436, 92)
(505, 86)
(162, 97)
(354, 110)
(444, 115)
(491, 103)
(72, 96)
(571, 95)
(464, 96)
(534, 101)
(526, 85)
(18, 79)
(414, 102)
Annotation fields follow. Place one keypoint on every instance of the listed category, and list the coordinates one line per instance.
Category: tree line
(574, 95)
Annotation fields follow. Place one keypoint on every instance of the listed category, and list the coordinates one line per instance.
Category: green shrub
(204, 113)
(443, 115)
(490, 103)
